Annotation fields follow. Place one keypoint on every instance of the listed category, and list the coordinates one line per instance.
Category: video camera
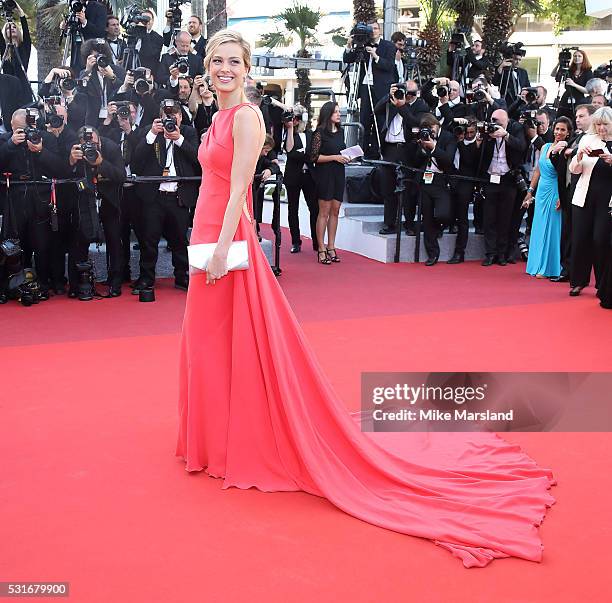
(175, 14)
(458, 40)
(604, 71)
(510, 50)
(182, 64)
(33, 134)
(88, 147)
(6, 9)
(135, 22)
(362, 35)
(565, 58)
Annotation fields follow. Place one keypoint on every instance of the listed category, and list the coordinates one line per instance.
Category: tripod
(507, 77)
(131, 58)
(413, 71)
(74, 38)
(562, 76)
(353, 105)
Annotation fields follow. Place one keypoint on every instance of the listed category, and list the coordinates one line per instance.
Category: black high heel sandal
(325, 260)
(334, 258)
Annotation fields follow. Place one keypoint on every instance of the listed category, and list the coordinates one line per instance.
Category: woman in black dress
(16, 57)
(327, 142)
(579, 74)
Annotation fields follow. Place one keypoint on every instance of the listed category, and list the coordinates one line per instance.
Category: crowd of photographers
(474, 136)
(138, 103)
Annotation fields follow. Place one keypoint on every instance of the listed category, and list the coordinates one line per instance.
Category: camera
(459, 130)
(415, 42)
(123, 109)
(458, 38)
(520, 181)
(511, 50)
(362, 35)
(442, 91)
(102, 62)
(7, 7)
(69, 83)
(169, 120)
(487, 127)
(604, 71)
(565, 58)
(33, 134)
(182, 64)
(531, 94)
(88, 147)
(287, 117)
(400, 93)
(134, 23)
(266, 100)
(53, 119)
(423, 133)
(529, 118)
(141, 83)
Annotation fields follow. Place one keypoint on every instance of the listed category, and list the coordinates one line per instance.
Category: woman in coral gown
(256, 410)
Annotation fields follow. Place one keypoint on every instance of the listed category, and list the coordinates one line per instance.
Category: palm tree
(302, 22)
(435, 11)
(364, 11)
(216, 17)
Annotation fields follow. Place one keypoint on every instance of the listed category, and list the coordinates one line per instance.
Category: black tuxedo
(149, 102)
(96, 14)
(298, 179)
(150, 49)
(9, 98)
(166, 212)
(196, 67)
(93, 92)
(121, 45)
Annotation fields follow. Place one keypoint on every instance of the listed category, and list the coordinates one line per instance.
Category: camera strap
(53, 203)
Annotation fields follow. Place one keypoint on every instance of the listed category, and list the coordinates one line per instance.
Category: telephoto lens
(102, 62)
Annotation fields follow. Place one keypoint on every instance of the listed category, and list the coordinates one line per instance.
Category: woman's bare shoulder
(248, 114)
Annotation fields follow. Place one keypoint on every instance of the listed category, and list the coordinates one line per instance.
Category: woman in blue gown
(544, 260)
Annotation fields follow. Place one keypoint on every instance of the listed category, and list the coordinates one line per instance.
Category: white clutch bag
(199, 256)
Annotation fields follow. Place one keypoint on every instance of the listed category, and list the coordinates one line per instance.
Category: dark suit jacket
(185, 161)
(198, 48)
(502, 80)
(383, 71)
(196, 67)
(443, 153)
(150, 102)
(122, 45)
(93, 93)
(515, 148)
(9, 98)
(150, 50)
(296, 158)
(96, 14)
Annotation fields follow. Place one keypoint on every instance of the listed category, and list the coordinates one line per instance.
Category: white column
(162, 7)
(390, 15)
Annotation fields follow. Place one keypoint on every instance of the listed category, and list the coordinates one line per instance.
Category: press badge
(495, 178)
(428, 177)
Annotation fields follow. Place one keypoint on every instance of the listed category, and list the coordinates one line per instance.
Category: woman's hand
(559, 146)
(527, 201)
(342, 159)
(570, 82)
(607, 157)
(216, 268)
(582, 152)
(558, 204)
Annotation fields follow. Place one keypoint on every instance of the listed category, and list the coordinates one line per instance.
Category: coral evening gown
(255, 409)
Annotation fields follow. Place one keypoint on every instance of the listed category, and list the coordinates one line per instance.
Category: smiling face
(561, 132)
(112, 28)
(227, 68)
(604, 130)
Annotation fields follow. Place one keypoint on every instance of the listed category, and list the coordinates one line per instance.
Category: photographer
(15, 47)
(195, 29)
(399, 41)
(139, 88)
(402, 111)
(89, 17)
(183, 94)
(465, 163)
(28, 154)
(575, 74)
(435, 154)
(482, 99)
(447, 105)
(502, 143)
(476, 61)
(375, 59)
(202, 104)
(180, 60)
(151, 44)
(61, 81)
(98, 162)
(169, 149)
(103, 79)
(298, 177)
(510, 77)
(267, 165)
(116, 44)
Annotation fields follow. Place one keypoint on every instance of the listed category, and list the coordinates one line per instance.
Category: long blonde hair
(603, 115)
(5, 33)
(224, 37)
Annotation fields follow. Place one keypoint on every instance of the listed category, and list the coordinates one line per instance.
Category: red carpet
(92, 494)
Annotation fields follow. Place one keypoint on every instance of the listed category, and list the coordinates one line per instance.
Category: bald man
(169, 71)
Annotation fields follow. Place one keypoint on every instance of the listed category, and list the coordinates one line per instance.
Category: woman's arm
(532, 186)
(26, 45)
(248, 133)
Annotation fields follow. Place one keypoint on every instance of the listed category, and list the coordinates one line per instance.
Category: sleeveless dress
(255, 409)
(545, 242)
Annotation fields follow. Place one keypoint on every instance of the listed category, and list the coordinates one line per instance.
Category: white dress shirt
(169, 187)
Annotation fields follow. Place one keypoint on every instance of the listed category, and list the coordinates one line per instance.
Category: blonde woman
(16, 57)
(257, 411)
(591, 201)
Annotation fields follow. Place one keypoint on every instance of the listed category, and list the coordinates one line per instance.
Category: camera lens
(102, 61)
(56, 121)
